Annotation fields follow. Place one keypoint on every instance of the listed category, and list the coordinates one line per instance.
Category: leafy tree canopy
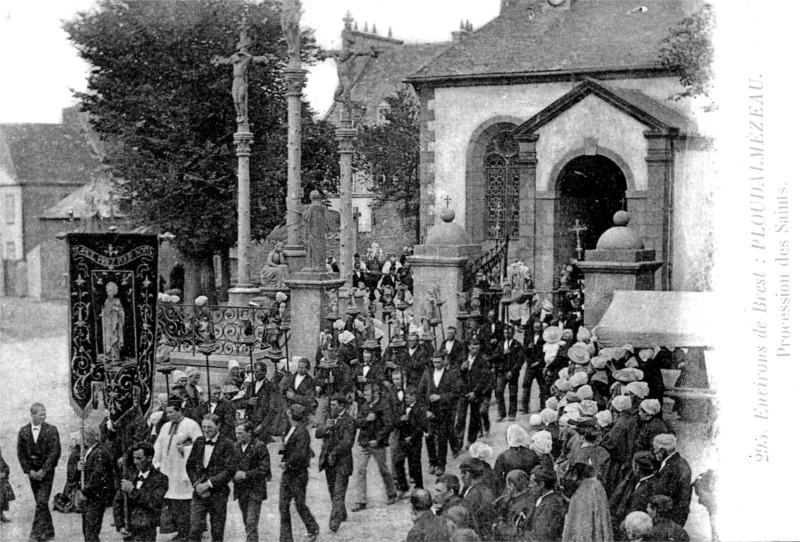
(689, 51)
(168, 116)
(389, 152)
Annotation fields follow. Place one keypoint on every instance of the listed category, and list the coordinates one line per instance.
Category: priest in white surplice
(172, 449)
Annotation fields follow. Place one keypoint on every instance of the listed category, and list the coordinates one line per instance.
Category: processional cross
(578, 228)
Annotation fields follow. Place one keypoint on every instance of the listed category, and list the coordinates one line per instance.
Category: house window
(11, 209)
(11, 251)
(501, 176)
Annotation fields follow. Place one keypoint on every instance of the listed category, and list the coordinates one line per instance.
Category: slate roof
(384, 75)
(592, 35)
(47, 154)
(93, 198)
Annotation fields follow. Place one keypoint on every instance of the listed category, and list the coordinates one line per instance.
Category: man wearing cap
(547, 521)
(440, 389)
(171, 451)
(674, 478)
(507, 361)
(476, 375)
(533, 341)
(222, 408)
(651, 424)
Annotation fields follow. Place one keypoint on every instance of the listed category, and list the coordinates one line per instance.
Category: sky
(40, 81)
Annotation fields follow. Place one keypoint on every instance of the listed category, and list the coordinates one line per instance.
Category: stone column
(294, 251)
(346, 136)
(243, 291)
(660, 165)
(309, 308)
(526, 162)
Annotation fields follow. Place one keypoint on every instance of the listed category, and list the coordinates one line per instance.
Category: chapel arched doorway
(589, 189)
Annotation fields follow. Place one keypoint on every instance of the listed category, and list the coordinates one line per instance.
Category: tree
(389, 153)
(168, 116)
(688, 50)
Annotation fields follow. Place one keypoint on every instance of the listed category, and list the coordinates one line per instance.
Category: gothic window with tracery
(501, 175)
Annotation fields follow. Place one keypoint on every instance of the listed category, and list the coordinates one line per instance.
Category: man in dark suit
(261, 400)
(476, 374)
(210, 467)
(298, 389)
(491, 332)
(440, 390)
(97, 491)
(366, 372)
(250, 481)
(453, 350)
(296, 452)
(144, 494)
(533, 343)
(547, 521)
(336, 457)
(674, 478)
(38, 450)
(222, 408)
(414, 360)
(427, 525)
(412, 423)
(508, 360)
(478, 496)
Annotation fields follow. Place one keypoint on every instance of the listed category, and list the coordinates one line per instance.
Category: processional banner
(113, 283)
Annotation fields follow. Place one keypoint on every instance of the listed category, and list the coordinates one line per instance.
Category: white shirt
(298, 379)
(208, 450)
(448, 345)
(664, 463)
(437, 376)
(141, 478)
(213, 407)
(411, 352)
(289, 434)
(400, 395)
(88, 451)
(35, 430)
(257, 387)
(244, 447)
(470, 361)
(365, 370)
(508, 346)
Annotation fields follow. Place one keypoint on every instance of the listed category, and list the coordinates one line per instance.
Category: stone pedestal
(440, 262)
(296, 257)
(240, 296)
(308, 310)
(620, 262)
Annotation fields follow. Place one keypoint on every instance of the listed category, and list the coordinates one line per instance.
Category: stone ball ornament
(620, 237)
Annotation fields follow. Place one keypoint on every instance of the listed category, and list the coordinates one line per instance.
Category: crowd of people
(596, 461)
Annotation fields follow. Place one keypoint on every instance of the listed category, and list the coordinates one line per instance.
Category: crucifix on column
(447, 200)
(578, 228)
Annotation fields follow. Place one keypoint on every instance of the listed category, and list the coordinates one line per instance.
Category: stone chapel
(559, 111)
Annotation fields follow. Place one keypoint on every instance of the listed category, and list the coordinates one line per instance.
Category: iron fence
(184, 328)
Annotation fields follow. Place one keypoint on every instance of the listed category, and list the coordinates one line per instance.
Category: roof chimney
(464, 29)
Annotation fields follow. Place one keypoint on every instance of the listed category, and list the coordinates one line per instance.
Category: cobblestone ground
(33, 368)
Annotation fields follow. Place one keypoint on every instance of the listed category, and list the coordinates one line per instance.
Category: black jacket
(254, 462)
(144, 504)
(508, 362)
(98, 475)
(297, 452)
(378, 429)
(41, 455)
(337, 446)
(221, 466)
